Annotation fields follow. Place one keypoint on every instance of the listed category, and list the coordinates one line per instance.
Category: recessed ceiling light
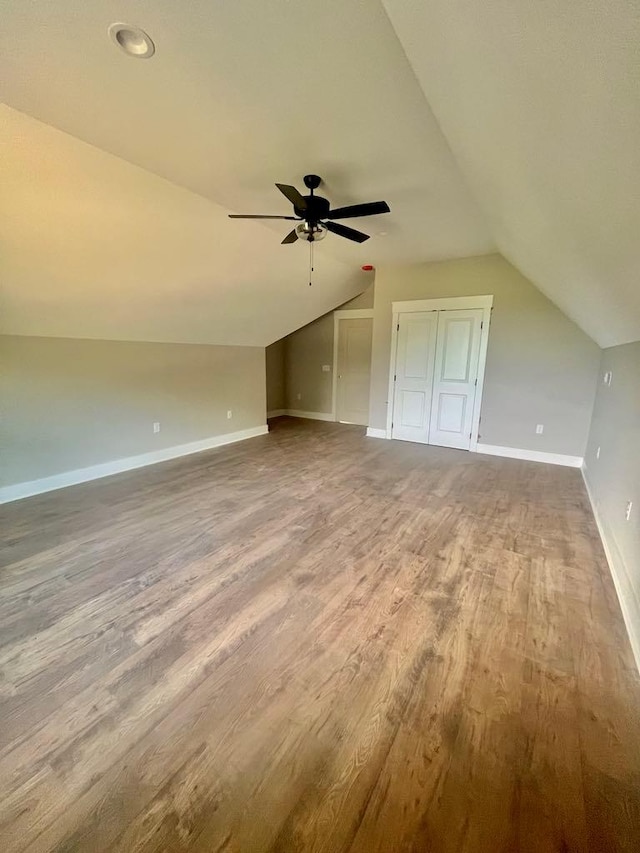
(132, 40)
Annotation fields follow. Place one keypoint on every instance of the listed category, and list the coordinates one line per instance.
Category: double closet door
(436, 376)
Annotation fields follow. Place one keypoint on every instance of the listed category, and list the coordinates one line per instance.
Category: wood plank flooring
(315, 641)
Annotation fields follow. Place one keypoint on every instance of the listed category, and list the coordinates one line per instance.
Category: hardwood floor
(315, 641)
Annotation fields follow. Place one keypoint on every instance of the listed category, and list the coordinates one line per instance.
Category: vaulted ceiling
(540, 103)
(504, 125)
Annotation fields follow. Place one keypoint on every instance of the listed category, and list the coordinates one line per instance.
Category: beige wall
(541, 368)
(305, 351)
(309, 389)
(364, 300)
(614, 478)
(276, 391)
(69, 404)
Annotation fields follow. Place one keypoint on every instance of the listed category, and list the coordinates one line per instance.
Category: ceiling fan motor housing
(317, 208)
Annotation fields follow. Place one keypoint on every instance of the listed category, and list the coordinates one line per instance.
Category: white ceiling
(538, 101)
(237, 96)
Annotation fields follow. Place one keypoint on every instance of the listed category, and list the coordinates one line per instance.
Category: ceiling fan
(313, 211)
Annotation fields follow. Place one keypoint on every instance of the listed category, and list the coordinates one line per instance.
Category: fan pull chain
(310, 260)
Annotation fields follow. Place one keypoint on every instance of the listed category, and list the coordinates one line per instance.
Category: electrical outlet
(156, 426)
(627, 512)
(539, 429)
(326, 368)
(608, 377)
(229, 414)
(298, 396)
(598, 452)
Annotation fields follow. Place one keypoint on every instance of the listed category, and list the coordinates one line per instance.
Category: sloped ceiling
(540, 102)
(95, 247)
(237, 96)
(505, 124)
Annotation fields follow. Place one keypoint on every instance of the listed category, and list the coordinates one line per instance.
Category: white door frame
(452, 303)
(343, 314)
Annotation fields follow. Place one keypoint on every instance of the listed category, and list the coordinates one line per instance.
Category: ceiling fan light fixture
(311, 232)
(132, 40)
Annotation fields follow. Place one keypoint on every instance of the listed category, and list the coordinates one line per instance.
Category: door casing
(445, 304)
(343, 314)
(353, 370)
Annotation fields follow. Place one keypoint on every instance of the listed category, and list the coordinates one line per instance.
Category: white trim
(344, 314)
(629, 604)
(353, 314)
(530, 455)
(447, 303)
(117, 466)
(276, 413)
(482, 364)
(372, 432)
(334, 367)
(313, 416)
(391, 390)
(452, 303)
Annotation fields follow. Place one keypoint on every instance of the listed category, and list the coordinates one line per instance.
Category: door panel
(413, 388)
(456, 371)
(451, 409)
(416, 350)
(354, 370)
(412, 408)
(455, 363)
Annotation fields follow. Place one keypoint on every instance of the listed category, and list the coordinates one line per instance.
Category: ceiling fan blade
(290, 238)
(369, 209)
(259, 216)
(349, 233)
(293, 195)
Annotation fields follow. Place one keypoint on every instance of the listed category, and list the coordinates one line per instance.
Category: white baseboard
(117, 466)
(629, 604)
(530, 455)
(314, 416)
(276, 413)
(373, 432)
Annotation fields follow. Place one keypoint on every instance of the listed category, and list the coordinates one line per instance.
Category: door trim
(449, 303)
(343, 314)
(452, 303)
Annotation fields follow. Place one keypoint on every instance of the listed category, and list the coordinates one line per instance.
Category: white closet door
(416, 348)
(456, 373)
